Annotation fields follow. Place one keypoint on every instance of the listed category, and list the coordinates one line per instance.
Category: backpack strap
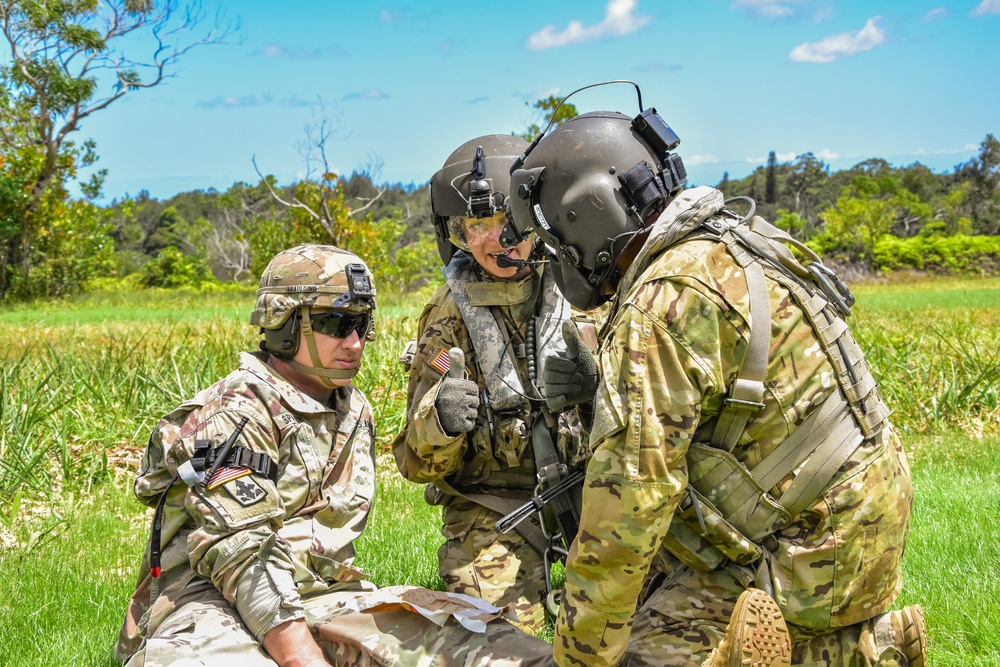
(746, 395)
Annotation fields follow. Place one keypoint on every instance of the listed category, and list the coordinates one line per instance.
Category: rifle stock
(506, 523)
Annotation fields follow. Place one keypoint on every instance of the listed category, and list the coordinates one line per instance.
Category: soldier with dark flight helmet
(743, 462)
(479, 432)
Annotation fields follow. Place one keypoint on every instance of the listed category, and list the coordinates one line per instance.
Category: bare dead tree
(373, 171)
(229, 244)
(327, 202)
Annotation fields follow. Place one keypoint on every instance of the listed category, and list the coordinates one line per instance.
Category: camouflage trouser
(502, 569)
(208, 632)
(685, 616)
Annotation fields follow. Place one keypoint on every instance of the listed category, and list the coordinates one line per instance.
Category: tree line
(878, 217)
(873, 216)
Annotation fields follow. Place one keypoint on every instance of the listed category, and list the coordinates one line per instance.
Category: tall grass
(78, 398)
(67, 577)
(935, 350)
(81, 384)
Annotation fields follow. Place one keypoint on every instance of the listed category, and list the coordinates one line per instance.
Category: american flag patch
(441, 362)
(223, 475)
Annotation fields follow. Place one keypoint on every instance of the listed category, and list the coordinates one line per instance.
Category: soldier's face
(334, 353)
(483, 237)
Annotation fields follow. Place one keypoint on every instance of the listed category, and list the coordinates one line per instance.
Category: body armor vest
(503, 461)
(728, 511)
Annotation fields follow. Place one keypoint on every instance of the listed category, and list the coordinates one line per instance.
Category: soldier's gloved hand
(571, 379)
(458, 398)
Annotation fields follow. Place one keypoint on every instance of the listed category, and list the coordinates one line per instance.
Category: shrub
(172, 268)
(941, 254)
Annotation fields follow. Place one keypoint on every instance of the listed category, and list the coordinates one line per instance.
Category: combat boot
(756, 636)
(901, 634)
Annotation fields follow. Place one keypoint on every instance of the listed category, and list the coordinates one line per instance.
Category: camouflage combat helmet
(301, 281)
(473, 183)
(587, 188)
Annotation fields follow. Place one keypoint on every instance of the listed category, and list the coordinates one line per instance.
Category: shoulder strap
(502, 382)
(746, 395)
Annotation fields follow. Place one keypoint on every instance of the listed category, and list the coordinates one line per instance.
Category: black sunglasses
(340, 325)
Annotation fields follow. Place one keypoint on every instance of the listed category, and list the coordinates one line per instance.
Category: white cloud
(937, 13)
(619, 20)
(281, 51)
(791, 156)
(834, 47)
(537, 94)
(773, 9)
(947, 151)
(692, 160)
(986, 7)
(814, 10)
(369, 94)
(235, 101)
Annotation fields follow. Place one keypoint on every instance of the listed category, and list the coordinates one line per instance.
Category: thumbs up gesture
(570, 379)
(457, 400)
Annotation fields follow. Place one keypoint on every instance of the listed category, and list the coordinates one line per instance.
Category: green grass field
(82, 382)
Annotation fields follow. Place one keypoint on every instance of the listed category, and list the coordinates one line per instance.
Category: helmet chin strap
(317, 369)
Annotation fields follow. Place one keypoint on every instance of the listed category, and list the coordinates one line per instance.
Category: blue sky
(405, 83)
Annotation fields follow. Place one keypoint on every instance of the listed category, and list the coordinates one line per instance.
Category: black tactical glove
(458, 398)
(571, 379)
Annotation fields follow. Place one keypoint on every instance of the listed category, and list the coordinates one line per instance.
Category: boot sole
(765, 641)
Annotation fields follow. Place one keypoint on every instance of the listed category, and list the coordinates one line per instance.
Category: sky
(402, 84)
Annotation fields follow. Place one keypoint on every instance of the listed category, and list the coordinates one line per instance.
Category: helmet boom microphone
(505, 262)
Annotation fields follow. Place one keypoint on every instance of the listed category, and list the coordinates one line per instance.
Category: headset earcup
(283, 342)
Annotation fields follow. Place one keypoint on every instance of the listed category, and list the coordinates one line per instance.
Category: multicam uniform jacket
(674, 345)
(282, 539)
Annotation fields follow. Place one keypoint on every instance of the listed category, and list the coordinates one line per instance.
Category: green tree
(874, 206)
(983, 176)
(805, 183)
(771, 184)
(50, 83)
(723, 185)
(543, 110)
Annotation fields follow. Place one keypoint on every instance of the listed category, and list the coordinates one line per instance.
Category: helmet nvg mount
(473, 183)
(297, 283)
(587, 188)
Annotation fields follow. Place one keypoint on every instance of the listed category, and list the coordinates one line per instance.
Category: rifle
(507, 523)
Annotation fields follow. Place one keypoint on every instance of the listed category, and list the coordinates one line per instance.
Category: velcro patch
(246, 492)
(223, 475)
(441, 362)
(243, 501)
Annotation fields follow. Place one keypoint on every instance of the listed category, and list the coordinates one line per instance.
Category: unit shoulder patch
(246, 492)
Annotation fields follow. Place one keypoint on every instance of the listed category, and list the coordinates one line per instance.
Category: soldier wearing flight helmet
(741, 448)
(478, 430)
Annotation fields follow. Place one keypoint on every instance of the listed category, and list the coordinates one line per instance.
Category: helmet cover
(316, 276)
